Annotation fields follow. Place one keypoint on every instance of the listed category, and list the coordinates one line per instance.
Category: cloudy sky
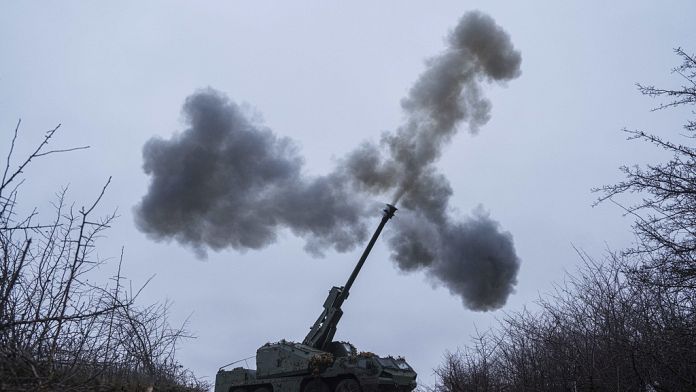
(331, 77)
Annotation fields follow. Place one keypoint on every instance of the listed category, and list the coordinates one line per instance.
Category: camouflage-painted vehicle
(319, 364)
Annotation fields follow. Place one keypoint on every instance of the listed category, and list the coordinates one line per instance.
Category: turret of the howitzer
(322, 332)
(319, 364)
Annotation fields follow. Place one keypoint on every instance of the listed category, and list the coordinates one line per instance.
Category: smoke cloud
(227, 181)
(447, 94)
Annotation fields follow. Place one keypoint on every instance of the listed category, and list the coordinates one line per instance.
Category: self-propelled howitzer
(319, 364)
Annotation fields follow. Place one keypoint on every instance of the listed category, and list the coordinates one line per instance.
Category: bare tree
(665, 218)
(58, 331)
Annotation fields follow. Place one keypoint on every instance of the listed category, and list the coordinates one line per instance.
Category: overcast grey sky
(331, 77)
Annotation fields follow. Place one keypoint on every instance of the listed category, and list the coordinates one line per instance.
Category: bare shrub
(598, 331)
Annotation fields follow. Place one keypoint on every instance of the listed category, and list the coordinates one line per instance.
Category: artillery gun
(319, 364)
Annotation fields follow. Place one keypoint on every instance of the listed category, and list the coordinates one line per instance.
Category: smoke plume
(227, 181)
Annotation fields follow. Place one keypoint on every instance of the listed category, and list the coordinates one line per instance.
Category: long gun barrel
(388, 214)
(322, 332)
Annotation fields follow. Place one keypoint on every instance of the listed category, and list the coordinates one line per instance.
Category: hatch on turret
(342, 349)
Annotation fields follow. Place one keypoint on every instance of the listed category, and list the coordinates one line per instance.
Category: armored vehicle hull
(295, 367)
